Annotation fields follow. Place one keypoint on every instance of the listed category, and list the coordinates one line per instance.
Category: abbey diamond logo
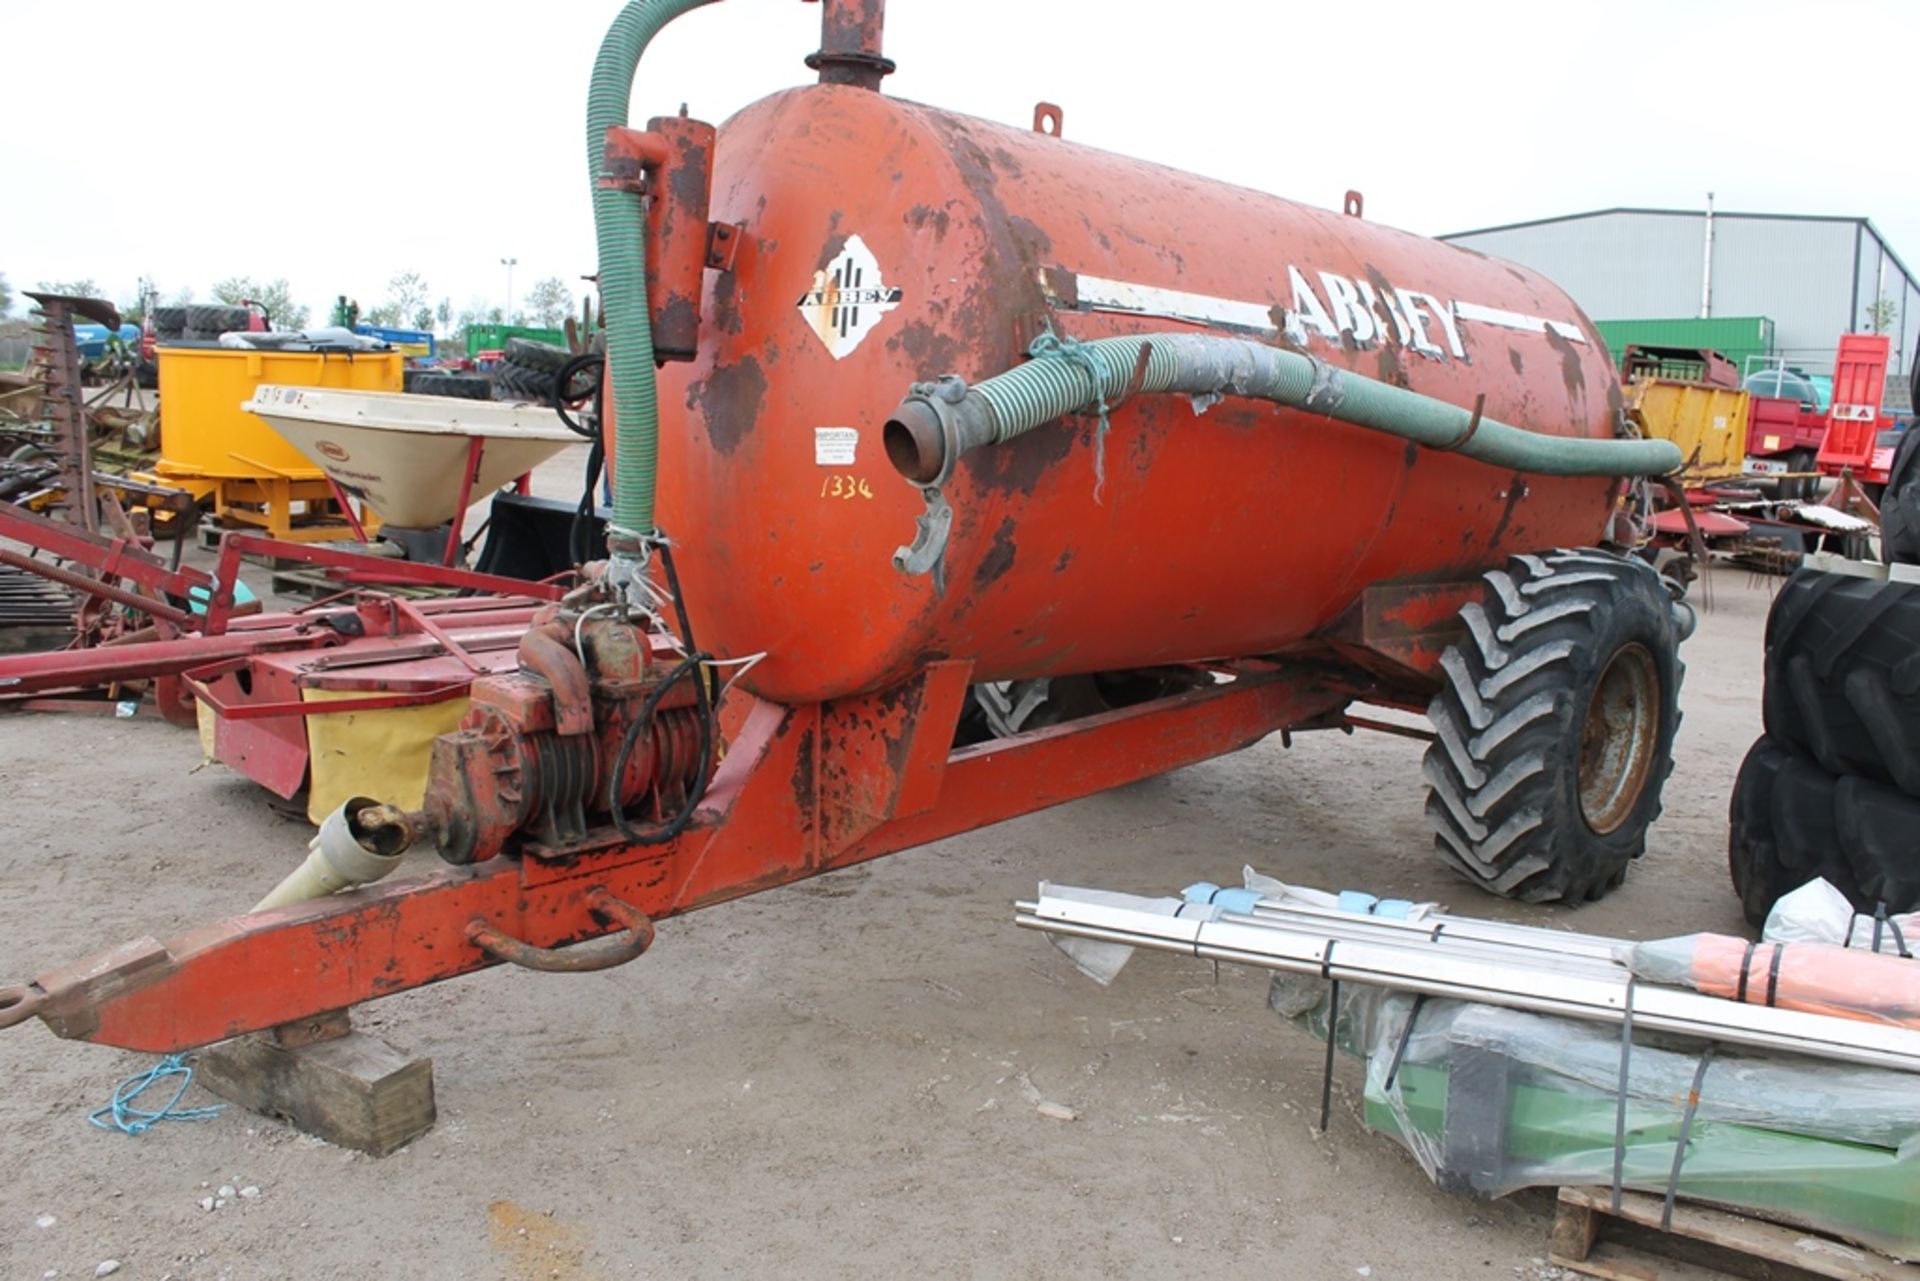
(848, 298)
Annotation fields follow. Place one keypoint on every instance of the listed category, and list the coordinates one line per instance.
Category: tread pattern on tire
(423, 382)
(214, 321)
(1791, 821)
(1502, 772)
(1900, 504)
(1843, 675)
(544, 357)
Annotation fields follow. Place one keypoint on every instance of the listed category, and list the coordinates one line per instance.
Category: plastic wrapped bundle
(1490, 1101)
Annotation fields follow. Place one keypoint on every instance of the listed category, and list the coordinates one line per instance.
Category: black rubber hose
(661, 833)
(562, 391)
(579, 533)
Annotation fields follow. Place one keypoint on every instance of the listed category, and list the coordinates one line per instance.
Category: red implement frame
(802, 790)
(1853, 418)
(187, 641)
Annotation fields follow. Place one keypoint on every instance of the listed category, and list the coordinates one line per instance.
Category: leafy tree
(386, 315)
(1881, 313)
(407, 293)
(275, 295)
(423, 319)
(6, 296)
(82, 288)
(443, 314)
(549, 301)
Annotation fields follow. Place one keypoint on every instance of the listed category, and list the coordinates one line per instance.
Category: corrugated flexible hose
(620, 228)
(1067, 377)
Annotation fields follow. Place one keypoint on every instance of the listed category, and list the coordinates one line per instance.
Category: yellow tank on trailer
(205, 432)
(216, 450)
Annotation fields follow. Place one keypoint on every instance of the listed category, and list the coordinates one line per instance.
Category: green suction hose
(940, 421)
(620, 228)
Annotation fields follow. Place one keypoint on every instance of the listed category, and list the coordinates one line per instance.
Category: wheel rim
(1617, 738)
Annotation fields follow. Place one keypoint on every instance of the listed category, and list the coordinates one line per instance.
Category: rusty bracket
(1356, 205)
(1473, 425)
(723, 244)
(1047, 119)
(627, 156)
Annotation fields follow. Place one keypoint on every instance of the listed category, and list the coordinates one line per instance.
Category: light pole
(509, 264)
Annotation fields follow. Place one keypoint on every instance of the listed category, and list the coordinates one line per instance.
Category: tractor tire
(1900, 507)
(517, 382)
(217, 320)
(1842, 676)
(1799, 489)
(529, 354)
(462, 386)
(169, 322)
(1555, 724)
(509, 382)
(1792, 821)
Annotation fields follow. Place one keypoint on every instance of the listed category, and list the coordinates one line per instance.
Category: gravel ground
(837, 1078)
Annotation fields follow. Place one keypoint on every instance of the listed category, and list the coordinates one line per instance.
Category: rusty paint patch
(1033, 241)
(836, 243)
(926, 217)
(1513, 358)
(1063, 286)
(1516, 490)
(1066, 559)
(726, 301)
(678, 315)
(1387, 362)
(999, 557)
(805, 780)
(729, 400)
(1572, 372)
(932, 350)
(1021, 463)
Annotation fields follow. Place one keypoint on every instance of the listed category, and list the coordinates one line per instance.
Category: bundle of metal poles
(1514, 966)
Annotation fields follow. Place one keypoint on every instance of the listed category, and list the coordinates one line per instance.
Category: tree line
(407, 304)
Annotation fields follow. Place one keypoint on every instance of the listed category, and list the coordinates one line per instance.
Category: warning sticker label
(833, 446)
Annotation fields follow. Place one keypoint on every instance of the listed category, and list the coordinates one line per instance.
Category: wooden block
(353, 1090)
(1574, 1228)
(1757, 1241)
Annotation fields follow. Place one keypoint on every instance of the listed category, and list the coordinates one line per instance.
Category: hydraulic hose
(620, 228)
(939, 421)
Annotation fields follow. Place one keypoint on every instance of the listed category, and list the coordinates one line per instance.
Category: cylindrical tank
(887, 242)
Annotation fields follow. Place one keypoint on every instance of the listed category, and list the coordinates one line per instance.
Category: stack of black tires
(435, 382)
(528, 370)
(1833, 787)
(198, 323)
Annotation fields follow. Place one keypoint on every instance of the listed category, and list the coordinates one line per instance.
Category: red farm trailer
(999, 470)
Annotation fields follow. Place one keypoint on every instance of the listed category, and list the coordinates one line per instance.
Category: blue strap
(124, 1114)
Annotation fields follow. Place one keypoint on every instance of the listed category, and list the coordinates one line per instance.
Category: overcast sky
(337, 144)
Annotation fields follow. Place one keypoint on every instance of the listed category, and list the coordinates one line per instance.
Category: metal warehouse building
(1814, 278)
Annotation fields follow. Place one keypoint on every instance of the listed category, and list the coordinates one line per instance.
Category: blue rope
(124, 1114)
